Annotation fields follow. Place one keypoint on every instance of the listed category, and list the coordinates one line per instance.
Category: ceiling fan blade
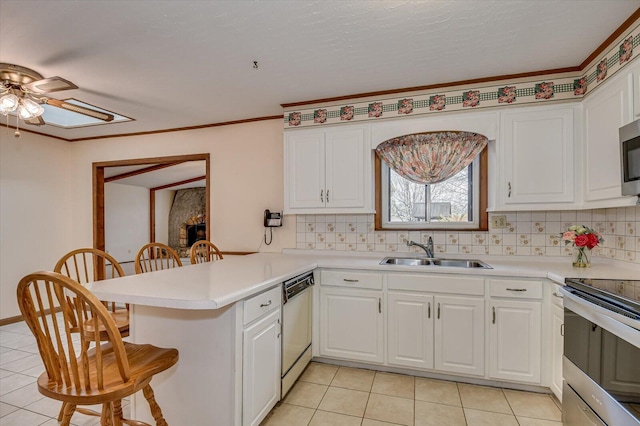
(36, 121)
(80, 110)
(50, 84)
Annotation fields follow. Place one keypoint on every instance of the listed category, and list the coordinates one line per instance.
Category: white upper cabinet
(536, 158)
(328, 171)
(605, 111)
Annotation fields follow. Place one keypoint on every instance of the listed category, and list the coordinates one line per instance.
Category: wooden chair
(79, 376)
(204, 251)
(156, 257)
(85, 265)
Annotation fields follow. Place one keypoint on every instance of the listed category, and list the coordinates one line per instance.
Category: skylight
(68, 119)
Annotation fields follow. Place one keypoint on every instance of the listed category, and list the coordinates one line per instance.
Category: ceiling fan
(23, 90)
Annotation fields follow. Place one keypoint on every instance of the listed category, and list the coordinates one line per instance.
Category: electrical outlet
(498, 222)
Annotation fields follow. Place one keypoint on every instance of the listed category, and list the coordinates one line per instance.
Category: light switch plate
(498, 222)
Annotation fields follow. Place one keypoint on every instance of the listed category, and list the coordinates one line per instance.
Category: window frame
(483, 216)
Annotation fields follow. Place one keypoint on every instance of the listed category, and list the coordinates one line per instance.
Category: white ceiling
(172, 64)
(166, 176)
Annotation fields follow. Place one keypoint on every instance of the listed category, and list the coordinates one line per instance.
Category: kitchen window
(458, 203)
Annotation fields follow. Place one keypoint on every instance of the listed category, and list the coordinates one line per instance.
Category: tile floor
(20, 365)
(324, 395)
(342, 396)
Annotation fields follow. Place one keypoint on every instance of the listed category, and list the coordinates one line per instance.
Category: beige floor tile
(288, 415)
(486, 418)
(354, 378)
(431, 414)
(390, 409)
(22, 418)
(535, 405)
(370, 422)
(394, 385)
(325, 418)
(437, 391)
(306, 394)
(321, 374)
(344, 401)
(484, 398)
(526, 421)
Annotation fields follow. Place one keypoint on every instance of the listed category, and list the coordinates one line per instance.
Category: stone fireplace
(187, 219)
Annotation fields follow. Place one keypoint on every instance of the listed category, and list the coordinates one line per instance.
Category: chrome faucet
(428, 248)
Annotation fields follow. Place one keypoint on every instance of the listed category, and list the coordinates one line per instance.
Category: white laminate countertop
(221, 283)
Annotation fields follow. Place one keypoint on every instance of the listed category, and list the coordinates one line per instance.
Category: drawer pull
(516, 289)
(494, 315)
(429, 310)
(438, 310)
(347, 280)
(559, 296)
(262, 305)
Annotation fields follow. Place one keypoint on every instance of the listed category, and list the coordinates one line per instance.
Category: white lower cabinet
(515, 331)
(351, 324)
(459, 335)
(410, 329)
(261, 357)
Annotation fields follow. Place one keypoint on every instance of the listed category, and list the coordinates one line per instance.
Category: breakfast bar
(204, 311)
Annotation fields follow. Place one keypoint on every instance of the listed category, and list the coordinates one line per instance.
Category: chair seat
(144, 361)
(121, 318)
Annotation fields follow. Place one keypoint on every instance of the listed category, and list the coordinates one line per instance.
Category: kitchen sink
(451, 263)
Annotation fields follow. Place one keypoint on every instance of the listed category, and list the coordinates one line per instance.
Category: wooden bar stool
(204, 251)
(155, 257)
(75, 374)
(86, 265)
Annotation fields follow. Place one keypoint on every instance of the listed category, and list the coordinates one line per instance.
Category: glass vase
(582, 260)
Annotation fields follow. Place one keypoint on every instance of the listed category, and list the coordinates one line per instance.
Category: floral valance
(432, 157)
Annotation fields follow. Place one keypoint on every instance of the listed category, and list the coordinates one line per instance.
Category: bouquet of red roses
(582, 236)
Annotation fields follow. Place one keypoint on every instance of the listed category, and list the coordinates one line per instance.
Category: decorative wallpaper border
(475, 97)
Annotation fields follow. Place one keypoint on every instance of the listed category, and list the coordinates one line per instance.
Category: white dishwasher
(296, 328)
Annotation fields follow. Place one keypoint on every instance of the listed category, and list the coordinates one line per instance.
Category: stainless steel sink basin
(458, 263)
(407, 261)
(451, 263)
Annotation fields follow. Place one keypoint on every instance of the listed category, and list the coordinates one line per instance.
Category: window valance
(431, 157)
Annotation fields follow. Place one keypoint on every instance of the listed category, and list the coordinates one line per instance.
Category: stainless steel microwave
(630, 158)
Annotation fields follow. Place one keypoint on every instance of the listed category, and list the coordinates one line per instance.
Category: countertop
(218, 284)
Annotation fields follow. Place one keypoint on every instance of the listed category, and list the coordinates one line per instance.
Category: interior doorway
(147, 167)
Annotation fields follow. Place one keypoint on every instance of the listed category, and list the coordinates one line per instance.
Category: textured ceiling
(171, 64)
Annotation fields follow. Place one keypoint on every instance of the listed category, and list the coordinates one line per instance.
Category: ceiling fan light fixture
(8, 103)
(29, 109)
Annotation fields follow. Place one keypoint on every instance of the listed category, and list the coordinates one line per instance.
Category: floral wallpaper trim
(475, 97)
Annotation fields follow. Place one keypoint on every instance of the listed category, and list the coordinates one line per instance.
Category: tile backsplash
(527, 233)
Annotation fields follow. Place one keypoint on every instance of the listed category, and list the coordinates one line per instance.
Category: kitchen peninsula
(204, 311)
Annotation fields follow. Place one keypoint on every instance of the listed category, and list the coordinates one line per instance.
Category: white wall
(164, 200)
(126, 220)
(35, 209)
(246, 178)
(46, 192)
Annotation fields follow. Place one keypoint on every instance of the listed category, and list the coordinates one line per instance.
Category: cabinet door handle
(562, 329)
(348, 280)
(438, 310)
(516, 289)
(327, 195)
(429, 310)
(559, 296)
(508, 189)
(322, 195)
(379, 305)
(262, 305)
(493, 309)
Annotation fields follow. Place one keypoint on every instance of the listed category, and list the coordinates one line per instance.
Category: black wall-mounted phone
(272, 219)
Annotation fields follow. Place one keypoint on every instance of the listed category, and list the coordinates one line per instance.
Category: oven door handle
(622, 327)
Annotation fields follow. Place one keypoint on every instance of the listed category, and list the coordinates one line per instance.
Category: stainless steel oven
(601, 365)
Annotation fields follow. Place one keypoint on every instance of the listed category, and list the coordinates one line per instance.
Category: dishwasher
(296, 328)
